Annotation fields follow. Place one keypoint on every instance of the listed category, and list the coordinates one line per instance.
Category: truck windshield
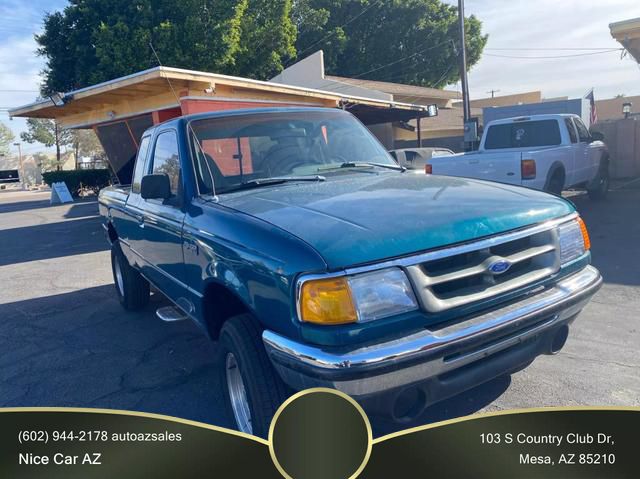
(240, 149)
(523, 134)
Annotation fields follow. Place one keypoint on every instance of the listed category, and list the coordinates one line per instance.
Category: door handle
(474, 162)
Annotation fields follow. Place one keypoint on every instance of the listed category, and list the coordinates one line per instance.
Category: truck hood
(364, 218)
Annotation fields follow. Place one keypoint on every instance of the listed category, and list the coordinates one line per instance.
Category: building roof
(611, 109)
(164, 87)
(398, 89)
(627, 33)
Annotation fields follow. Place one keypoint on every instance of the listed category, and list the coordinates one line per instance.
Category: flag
(594, 111)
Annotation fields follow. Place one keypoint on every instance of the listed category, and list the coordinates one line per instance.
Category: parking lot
(65, 340)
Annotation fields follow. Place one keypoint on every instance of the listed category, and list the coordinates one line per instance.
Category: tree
(6, 139)
(49, 133)
(92, 41)
(404, 41)
(85, 143)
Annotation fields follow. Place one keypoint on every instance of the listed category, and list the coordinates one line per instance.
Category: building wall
(579, 107)
(623, 140)
(309, 73)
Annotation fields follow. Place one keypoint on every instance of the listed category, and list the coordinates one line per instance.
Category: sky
(521, 24)
(544, 24)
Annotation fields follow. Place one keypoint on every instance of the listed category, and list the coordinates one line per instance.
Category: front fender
(254, 260)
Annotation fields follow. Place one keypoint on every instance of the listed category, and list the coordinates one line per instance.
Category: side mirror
(597, 136)
(155, 187)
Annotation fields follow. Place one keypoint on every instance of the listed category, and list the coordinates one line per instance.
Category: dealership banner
(320, 434)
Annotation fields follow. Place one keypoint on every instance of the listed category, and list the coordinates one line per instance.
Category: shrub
(77, 179)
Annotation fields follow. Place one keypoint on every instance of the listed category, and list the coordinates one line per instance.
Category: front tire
(253, 390)
(131, 287)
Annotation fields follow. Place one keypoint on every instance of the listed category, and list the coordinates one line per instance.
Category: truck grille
(459, 279)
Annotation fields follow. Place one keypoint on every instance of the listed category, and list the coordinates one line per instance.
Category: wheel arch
(556, 168)
(219, 303)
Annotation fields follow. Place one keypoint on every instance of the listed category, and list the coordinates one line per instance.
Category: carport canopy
(121, 110)
(627, 33)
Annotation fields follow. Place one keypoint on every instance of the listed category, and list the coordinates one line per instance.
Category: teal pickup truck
(291, 237)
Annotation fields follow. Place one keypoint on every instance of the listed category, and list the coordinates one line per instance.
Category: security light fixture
(58, 99)
(626, 109)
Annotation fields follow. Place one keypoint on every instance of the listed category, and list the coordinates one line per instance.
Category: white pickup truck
(544, 152)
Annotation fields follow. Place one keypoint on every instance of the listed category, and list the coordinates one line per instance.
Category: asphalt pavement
(65, 340)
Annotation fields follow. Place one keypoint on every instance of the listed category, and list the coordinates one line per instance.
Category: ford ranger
(291, 237)
(546, 152)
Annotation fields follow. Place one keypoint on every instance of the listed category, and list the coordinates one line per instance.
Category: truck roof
(550, 116)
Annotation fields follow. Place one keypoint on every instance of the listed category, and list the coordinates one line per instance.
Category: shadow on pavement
(615, 234)
(81, 349)
(23, 206)
(82, 209)
(51, 240)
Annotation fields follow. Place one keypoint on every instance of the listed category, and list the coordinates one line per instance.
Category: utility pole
(493, 93)
(470, 127)
(463, 64)
(19, 145)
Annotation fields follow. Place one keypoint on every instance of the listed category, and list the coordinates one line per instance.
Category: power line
(19, 91)
(389, 75)
(365, 10)
(554, 56)
(552, 49)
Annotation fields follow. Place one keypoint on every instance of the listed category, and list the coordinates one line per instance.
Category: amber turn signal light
(585, 234)
(327, 301)
(428, 169)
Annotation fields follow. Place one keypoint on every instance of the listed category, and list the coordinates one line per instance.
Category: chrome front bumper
(523, 327)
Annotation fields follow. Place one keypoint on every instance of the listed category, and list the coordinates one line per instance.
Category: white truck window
(571, 129)
(523, 134)
(583, 133)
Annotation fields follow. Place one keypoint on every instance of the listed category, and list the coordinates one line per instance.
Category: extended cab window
(140, 163)
(571, 129)
(583, 133)
(523, 134)
(166, 159)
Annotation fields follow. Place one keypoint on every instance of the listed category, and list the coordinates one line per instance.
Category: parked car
(416, 158)
(291, 237)
(545, 152)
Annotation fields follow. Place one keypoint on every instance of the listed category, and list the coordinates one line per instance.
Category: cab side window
(166, 159)
(583, 133)
(141, 161)
(571, 129)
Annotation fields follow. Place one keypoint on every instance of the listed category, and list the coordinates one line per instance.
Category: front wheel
(252, 388)
(600, 186)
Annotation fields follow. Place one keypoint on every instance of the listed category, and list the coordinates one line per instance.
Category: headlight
(359, 298)
(574, 240)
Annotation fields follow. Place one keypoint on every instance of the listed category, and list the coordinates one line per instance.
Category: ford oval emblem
(500, 266)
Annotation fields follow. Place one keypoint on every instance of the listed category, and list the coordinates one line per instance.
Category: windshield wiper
(276, 180)
(364, 164)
